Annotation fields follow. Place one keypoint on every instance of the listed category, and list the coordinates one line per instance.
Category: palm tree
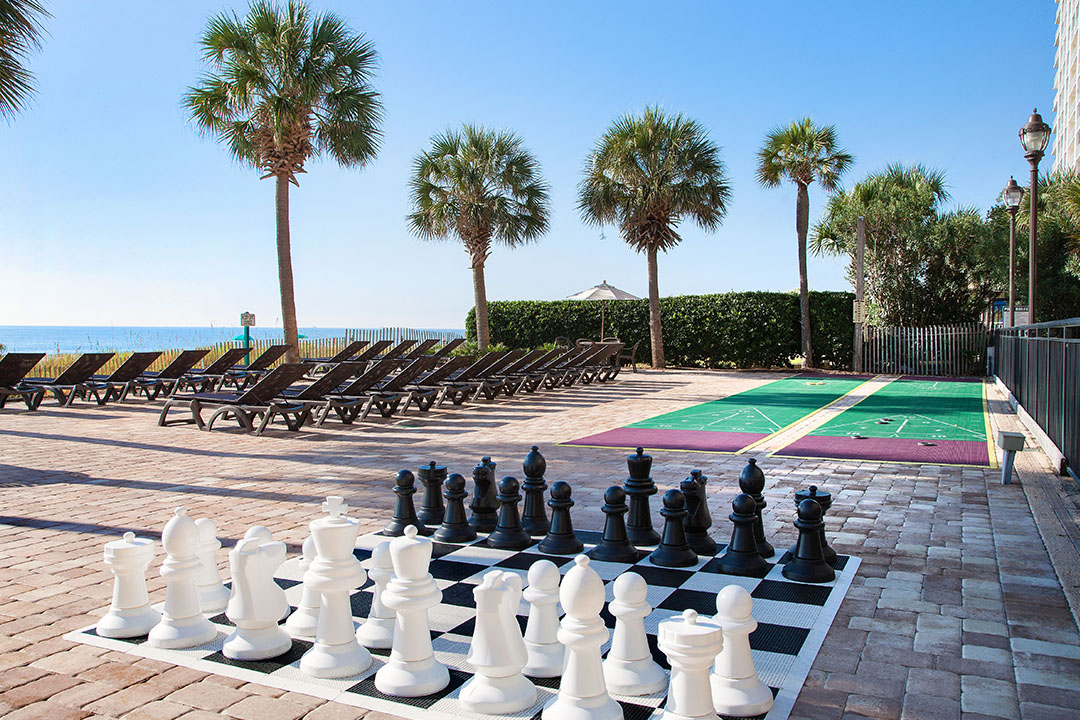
(803, 152)
(481, 186)
(646, 174)
(20, 33)
(286, 86)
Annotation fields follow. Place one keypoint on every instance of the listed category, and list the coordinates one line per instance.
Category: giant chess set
(454, 611)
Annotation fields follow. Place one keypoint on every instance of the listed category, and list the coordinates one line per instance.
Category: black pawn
(752, 482)
(639, 487)
(534, 517)
(823, 499)
(455, 528)
(698, 520)
(484, 517)
(561, 539)
(742, 556)
(432, 476)
(809, 564)
(404, 512)
(673, 550)
(508, 534)
(614, 546)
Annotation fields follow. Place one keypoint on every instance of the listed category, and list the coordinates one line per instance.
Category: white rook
(690, 648)
(182, 625)
(130, 614)
(736, 688)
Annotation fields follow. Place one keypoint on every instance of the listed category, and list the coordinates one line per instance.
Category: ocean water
(85, 338)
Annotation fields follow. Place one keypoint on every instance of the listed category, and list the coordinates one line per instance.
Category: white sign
(247, 319)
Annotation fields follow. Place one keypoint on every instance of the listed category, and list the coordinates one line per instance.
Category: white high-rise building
(1066, 146)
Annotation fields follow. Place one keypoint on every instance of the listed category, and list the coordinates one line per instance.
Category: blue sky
(114, 211)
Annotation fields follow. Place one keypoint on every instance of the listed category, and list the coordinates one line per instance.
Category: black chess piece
(698, 521)
(809, 564)
(561, 539)
(484, 517)
(455, 528)
(673, 550)
(742, 556)
(614, 545)
(404, 512)
(752, 482)
(508, 534)
(824, 499)
(639, 486)
(534, 517)
(432, 476)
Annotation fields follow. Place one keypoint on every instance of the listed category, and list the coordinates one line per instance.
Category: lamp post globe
(1034, 137)
(1012, 195)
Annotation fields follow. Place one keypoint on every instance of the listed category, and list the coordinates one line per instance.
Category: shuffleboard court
(735, 422)
(912, 419)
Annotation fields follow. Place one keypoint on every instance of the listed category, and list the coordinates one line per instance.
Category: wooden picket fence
(941, 350)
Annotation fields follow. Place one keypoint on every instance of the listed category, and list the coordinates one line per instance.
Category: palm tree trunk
(655, 331)
(802, 221)
(480, 298)
(285, 275)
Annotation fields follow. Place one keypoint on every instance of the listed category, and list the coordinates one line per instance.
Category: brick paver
(956, 610)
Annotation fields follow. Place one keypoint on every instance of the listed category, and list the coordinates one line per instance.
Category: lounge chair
(352, 401)
(245, 407)
(71, 383)
(119, 383)
(392, 394)
(599, 367)
(422, 349)
(297, 404)
(398, 351)
(152, 384)
(627, 353)
(13, 368)
(489, 382)
(550, 374)
(460, 386)
(211, 376)
(448, 348)
(428, 390)
(347, 352)
(508, 379)
(527, 373)
(373, 351)
(240, 376)
(589, 358)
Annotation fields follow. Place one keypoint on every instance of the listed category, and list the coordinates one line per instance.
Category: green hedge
(736, 329)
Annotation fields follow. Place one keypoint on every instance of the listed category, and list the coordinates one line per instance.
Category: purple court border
(942, 452)
(661, 439)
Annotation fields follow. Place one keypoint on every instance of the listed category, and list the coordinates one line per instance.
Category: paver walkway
(956, 611)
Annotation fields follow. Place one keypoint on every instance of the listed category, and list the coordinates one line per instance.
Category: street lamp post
(1033, 136)
(1012, 194)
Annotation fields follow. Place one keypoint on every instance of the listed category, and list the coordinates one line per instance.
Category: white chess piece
(690, 647)
(582, 692)
(736, 688)
(629, 668)
(305, 621)
(497, 651)
(377, 631)
(264, 536)
(412, 670)
(182, 625)
(253, 609)
(335, 573)
(213, 595)
(130, 614)
(541, 631)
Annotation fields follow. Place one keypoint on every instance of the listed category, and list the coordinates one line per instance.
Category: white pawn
(412, 670)
(545, 651)
(264, 536)
(305, 621)
(335, 573)
(736, 688)
(497, 650)
(130, 614)
(378, 630)
(582, 692)
(690, 648)
(253, 609)
(213, 595)
(182, 625)
(629, 668)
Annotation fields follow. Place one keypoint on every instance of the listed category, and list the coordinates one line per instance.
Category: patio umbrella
(603, 292)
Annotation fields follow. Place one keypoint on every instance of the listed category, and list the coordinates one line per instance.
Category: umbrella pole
(602, 304)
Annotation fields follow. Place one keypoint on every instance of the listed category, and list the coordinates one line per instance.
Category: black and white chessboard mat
(793, 619)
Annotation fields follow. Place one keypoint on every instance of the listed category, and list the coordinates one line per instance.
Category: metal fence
(942, 350)
(1040, 365)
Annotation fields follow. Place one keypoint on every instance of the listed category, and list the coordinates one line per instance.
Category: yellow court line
(991, 452)
(808, 415)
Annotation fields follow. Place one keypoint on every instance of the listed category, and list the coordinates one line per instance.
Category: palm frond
(21, 29)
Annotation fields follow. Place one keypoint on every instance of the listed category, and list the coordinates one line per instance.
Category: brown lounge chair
(392, 394)
(459, 386)
(119, 383)
(342, 356)
(298, 404)
(240, 377)
(428, 391)
(245, 407)
(211, 376)
(13, 368)
(448, 348)
(352, 401)
(71, 383)
(152, 384)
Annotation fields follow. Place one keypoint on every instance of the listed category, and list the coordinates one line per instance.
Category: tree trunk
(480, 298)
(802, 221)
(655, 331)
(285, 276)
